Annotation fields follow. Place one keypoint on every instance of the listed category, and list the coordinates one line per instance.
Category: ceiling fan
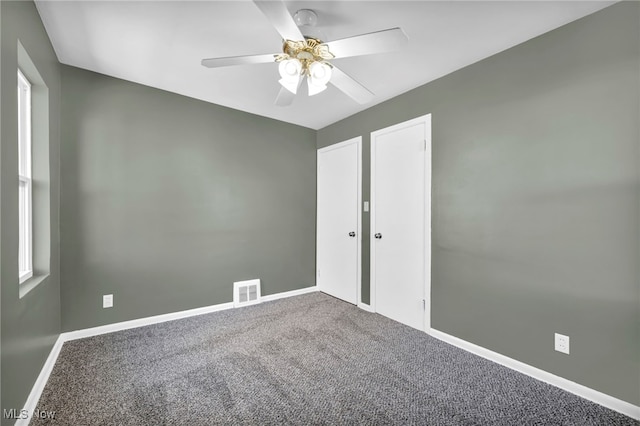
(308, 55)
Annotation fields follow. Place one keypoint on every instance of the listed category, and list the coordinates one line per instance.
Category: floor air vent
(246, 293)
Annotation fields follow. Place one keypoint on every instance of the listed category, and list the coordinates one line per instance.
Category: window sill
(30, 284)
(25, 276)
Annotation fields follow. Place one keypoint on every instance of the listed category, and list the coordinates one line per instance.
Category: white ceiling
(161, 43)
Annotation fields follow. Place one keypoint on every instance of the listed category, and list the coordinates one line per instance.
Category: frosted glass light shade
(319, 76)
(320, 73)
(290, 72)
(291, 86)
(290, 68)
(313, 88)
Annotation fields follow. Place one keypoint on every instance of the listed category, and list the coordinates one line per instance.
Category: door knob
(378, 236)
(352, 234)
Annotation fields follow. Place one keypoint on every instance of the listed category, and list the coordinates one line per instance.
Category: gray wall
(536, 207)
(166, 201)
(30, 324)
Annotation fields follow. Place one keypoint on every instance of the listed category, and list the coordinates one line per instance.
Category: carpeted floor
(308, 359)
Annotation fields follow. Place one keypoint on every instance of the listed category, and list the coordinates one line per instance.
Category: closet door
(338, 220)
(400, 221)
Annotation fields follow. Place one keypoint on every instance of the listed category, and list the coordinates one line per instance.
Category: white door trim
(426, 120)
(358, 142)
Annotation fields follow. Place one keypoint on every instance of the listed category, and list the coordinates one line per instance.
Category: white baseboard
(41, 381)
(562, 383)
(141, 322)
(43, 377)
(291, 293)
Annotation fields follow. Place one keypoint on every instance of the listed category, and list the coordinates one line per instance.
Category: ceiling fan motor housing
(305, 17)
(307, 52)
(306, 20)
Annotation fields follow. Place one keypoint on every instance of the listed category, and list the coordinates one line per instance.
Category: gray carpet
(309, 359)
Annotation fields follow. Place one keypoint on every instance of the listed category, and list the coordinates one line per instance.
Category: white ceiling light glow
(302, 59)
(319, 76)
(293, 70)
(291, 73)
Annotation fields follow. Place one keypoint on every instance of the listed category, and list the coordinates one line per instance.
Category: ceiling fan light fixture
(319, 76)
(320, 73)
(290, 71)
(314, 89)
(290, 85)
(305, 54)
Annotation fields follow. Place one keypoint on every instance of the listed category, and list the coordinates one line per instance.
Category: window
(25, 238)
(34, 177)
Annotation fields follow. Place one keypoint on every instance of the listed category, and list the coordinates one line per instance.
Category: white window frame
(25, 238)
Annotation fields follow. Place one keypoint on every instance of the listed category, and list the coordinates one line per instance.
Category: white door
(400, 221)
(338, 221)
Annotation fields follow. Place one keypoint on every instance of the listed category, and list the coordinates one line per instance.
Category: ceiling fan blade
(285, 97)
(277, 13)
(238, 60)
(351, 87)
(367, 44)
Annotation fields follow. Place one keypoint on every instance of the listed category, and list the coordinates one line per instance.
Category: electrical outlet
(107, 301)
(562, 343)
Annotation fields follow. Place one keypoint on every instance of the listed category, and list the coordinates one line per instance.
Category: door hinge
(424, 305)
(425, 144)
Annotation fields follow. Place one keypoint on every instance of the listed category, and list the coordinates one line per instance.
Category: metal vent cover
(246, 293)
